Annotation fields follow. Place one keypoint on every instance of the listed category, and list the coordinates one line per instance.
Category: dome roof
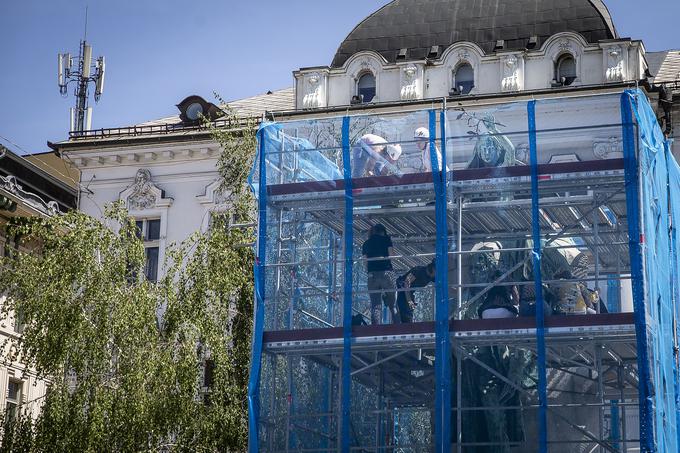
(417, 25)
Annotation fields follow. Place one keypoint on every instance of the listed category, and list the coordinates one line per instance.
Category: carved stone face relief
(511, 63)
(610, 148)
(312, 92)
(143, 195)
(313, 80)
(522, 153)
(615, 69)
(511, 74)
(409, 83)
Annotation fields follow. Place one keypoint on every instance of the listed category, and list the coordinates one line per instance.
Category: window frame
(360, 77)
(10, 413)
(561, 58)
(18, 323)
(150, 243)
(454, 77)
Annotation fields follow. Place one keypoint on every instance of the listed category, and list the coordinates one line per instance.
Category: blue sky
(159, 52)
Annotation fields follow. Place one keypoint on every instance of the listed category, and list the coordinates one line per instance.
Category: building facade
(323, 381)
(665, 69)
(25, 191)
(165, 172)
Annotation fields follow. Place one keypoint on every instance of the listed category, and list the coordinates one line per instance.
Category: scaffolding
(567, 206)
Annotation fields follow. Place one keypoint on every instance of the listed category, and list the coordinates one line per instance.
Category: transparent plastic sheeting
(323, 184)
(583, 248)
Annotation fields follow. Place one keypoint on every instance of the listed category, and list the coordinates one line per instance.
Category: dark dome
(417, 25)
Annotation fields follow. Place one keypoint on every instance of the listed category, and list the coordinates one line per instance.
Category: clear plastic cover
(460, 227)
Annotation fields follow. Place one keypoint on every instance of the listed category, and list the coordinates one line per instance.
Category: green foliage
(238, 141)
(126, 358)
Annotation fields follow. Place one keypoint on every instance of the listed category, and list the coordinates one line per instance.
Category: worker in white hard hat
(372, 155)
(422, 139)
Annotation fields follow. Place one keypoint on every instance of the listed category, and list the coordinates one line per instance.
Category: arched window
(565, 70)
(366, 87)
(464, 79)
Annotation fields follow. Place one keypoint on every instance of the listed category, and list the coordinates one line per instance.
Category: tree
(128, 359)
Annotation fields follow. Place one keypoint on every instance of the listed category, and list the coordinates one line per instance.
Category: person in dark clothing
(417, 277)
(500, 302)
(380, 282)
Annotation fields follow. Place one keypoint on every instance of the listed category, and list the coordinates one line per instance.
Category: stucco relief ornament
(614, 71)
(565, 45)
(142, 196)
(409, 84)
(221, 198)
(608, 148)
(522, 153)
(464, 55)
(312, 96)
(52, 208)
(10, 183)
(510, 80)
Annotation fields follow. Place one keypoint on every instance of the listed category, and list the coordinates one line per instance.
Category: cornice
(134, 156)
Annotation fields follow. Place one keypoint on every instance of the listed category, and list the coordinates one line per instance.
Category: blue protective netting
(674, 201)
(325, 286)
(259, 276)
(655, 307)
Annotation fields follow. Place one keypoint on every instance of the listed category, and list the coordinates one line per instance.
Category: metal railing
(157, 129)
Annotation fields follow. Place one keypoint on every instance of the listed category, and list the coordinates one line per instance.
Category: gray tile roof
(254, 106)
(417, 25)
(664, 66)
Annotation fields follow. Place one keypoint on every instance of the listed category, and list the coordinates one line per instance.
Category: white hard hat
(494, 248)
(421, 132)
(394, 151)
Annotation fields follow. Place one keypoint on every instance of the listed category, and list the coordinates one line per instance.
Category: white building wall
(531, 70)
(183, 172)
(33, 390)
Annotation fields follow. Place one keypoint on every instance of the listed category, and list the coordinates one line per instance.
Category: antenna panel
(88, 119)
(101, 73)
(68, 63)
(60, 73)
(87, 60)
(72, 126)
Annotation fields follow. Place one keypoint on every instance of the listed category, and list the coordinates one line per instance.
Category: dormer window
(366, 87)
(565, 70)
(463, 79)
